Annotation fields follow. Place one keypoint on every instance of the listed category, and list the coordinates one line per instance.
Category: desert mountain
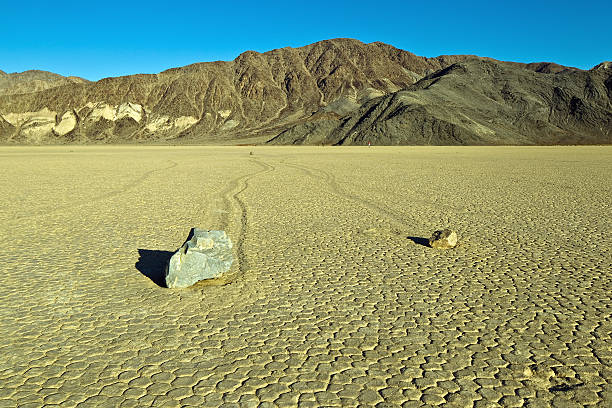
(476, 101)
(33, 81)
(334, 91)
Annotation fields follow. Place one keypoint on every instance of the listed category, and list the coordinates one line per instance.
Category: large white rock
(205, 255)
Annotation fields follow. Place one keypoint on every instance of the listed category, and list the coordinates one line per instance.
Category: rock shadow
(152, 264)
(420, 241)
(564, 387)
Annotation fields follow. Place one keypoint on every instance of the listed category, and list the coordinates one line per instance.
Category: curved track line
(101, 197)
(234, 209)
(335, 188)
(244, 265)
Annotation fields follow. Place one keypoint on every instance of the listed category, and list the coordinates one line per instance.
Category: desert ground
(334, 299)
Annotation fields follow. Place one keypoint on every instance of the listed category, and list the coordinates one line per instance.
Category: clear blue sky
(96, 39)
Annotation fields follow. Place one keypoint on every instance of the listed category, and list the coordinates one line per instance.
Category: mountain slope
(33, 81)
(476, 101)
(257, 95)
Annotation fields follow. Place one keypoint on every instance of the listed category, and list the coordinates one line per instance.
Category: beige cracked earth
(334, 299)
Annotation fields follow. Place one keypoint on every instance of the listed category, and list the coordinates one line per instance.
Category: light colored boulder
(443, 239)
(205, 255)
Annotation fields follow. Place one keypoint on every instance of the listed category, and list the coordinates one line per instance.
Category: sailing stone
(443, 239)
(205, 255)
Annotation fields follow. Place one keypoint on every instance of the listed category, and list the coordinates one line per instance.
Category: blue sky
(110, 38)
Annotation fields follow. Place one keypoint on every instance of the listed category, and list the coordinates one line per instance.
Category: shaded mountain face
(477, 101)
(310, 94)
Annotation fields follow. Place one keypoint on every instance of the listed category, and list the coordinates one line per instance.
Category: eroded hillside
(328, 92)
(255, 93)
(476, 101)
(33, 81)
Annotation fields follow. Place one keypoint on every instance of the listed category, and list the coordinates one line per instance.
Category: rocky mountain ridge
(313, 94)
(475, 102)
(34, 81)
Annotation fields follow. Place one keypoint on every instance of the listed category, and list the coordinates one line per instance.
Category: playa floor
(334, 299)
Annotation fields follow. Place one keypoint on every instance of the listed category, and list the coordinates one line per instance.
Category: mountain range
(338, 92)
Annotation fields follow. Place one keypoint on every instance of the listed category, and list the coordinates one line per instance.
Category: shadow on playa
(420, 241)
(152, 264)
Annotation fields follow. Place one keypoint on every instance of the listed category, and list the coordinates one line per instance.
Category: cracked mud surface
(334, 302)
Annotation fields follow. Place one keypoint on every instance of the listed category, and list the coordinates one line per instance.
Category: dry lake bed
(334, 300)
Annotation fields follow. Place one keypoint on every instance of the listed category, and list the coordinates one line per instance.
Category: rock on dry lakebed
(443, 239)
(205, 255)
